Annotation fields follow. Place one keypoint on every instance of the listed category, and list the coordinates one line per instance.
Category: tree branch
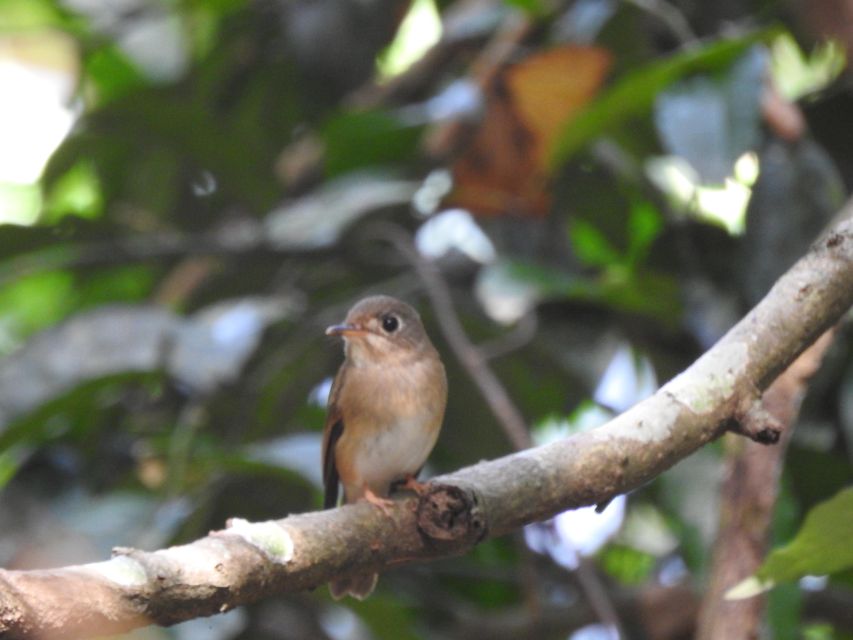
(247, 561)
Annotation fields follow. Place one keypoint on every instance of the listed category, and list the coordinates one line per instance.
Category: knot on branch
(756, 423)
(447, 513)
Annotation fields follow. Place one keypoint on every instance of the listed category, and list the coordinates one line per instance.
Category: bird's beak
(346, 329)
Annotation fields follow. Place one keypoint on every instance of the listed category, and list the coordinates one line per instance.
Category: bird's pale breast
(392, 419)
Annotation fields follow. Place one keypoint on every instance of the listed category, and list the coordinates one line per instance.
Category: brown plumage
(385, 410)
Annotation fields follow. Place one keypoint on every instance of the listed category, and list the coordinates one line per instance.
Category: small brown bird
(385, 411)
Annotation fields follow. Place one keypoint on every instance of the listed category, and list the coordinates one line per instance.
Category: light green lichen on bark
(271, 538)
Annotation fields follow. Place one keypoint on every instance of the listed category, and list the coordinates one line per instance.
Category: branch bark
(249, 561)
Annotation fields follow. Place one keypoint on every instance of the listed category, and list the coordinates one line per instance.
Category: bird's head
(381, 330)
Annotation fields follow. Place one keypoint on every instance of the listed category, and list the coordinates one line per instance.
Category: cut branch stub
(755, 422)
(447, 513)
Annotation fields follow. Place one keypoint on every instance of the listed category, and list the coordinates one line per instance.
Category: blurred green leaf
(19, 15)
(644, 225)
(386, 617)
(11, 459)
(33, 303)
(530, 7)
(356, 140)
(626, 564)
(819, 631)
(784, 608)
(70, 412)
(109, 75)
(591, 246)
(649, 293)
(77, 192)
(37, 301)
(822, 546)
(204, 19)
(123, 284)
(148, 145)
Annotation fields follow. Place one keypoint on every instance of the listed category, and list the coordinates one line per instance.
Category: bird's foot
(411, 484)
(383, 504)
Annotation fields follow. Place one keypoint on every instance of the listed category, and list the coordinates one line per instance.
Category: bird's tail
(358, 586)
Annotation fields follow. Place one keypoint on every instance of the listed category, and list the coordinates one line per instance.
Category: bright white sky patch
(319, 395)
(575, 533)
(34, 118)
(37, 75)
(628, 379)
(595, 632)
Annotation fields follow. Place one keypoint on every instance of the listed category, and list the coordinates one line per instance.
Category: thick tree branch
(250, 561)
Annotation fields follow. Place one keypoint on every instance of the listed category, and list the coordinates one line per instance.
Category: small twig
(598, 596)
(757, 424)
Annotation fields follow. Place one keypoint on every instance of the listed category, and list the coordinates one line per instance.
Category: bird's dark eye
(390, 323)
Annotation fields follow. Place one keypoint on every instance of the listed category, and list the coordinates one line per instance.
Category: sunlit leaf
(419, 30)
(796, 74)
(19, 203)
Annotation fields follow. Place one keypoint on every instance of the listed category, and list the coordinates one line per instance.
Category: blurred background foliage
(191, 190)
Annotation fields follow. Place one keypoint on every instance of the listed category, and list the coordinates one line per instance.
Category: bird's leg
(384, 504)
(411, 484)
